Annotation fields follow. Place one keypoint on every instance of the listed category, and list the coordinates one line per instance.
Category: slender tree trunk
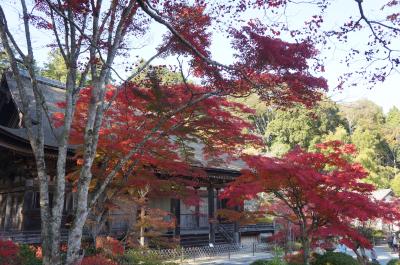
(141, 233)
(305, 243)
(361, 257)
(59, 194)
(95, 115)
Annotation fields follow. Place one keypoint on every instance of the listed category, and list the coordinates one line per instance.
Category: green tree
(3, 59)
(391, 134)
(372, 155)
(55, 68)
(340, 134)
(302, 126)
(362, 113)
(395, 184)
(361, 123)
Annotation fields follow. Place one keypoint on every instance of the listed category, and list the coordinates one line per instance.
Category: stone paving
(383, 252)
(237, 259)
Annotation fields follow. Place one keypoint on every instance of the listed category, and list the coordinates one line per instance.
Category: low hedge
(394, 262)
(260, 262)
(335, 258)
(269, 262)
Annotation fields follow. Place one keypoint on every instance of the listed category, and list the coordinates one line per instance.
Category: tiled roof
(54, 92)
(381, 194)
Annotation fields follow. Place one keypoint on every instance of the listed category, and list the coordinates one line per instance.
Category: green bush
(394, 262)
(28, 256)
(274, 261)
(260, 262)
(92, 251)
(134, 256)
(335, 258)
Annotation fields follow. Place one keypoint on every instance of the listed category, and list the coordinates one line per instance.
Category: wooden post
(236, 232)
(211, 196)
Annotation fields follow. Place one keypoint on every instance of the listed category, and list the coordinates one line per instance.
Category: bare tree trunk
(141, 232)
(95, 115)
(35, 134)
(59, 195)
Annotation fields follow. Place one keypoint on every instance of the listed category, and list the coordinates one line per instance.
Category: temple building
(19, 191)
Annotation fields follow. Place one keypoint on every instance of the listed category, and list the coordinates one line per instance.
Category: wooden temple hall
(19, 191)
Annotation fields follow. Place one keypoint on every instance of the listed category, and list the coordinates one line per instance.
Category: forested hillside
(363, 123)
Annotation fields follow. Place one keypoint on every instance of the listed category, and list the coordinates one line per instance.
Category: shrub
(335, 258)
(97, 260)
(394, 262)
(260, 262)
(274, 261)
(8, 252)
(110, 246)
(27, 255)
(38, 252)
(295, 259)
(134, 256)
(92, 251)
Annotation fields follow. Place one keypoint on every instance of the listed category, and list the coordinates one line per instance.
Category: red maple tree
(91, 35)
(322, 193)
(210, 132)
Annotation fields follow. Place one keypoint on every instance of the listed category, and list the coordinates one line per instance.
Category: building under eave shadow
(19, 190)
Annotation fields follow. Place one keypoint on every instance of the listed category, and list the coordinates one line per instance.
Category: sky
(385, 94)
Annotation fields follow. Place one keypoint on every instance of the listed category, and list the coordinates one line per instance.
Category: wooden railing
(28, 237)
(193, 221)
(260, 227)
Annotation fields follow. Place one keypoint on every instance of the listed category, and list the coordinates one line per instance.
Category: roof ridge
(44, 80)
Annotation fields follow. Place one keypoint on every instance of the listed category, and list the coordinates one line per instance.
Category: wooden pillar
(197, 215)
(2, 210)
(27, 205)
(197, 210)
(219, 206)
(211, 197)
(176, 211)
(236, 232)
(7, 216)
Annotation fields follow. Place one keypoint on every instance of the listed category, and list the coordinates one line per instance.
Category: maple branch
(3, 20)
(66, 28)
(283, 216)
(152, 12)
(132, 76)
(144, 66)
(371, 22)
(38, 94)
(147, 9)
(81, 31)
(57, 36)
(137, 148)
(361, 10)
